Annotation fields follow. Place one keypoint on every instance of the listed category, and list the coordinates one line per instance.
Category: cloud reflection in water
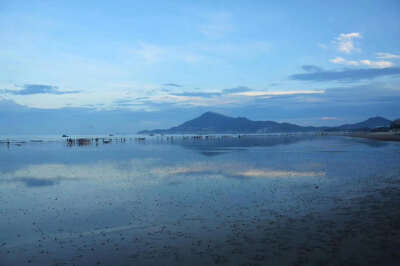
(146, 171)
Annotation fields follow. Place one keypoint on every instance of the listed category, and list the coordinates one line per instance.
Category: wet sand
(357, 231)
(338, 205)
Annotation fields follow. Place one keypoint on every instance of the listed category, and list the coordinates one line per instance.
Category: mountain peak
(212, 122)
(211, 114)
(372, 122)
(377, 118)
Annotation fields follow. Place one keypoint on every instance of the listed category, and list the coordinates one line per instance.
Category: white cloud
(350, 35)
(232, 99)
(341, 60)
(182, 100)
(279, 93)
(377, 64)
(370, 63)
(345, 42)
(387, 56)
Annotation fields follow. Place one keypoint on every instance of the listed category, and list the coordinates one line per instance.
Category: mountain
(211, 122)
(370, 123)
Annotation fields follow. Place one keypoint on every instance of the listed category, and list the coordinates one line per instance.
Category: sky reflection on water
(50, 192)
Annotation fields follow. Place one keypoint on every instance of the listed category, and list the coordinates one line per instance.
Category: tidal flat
(254, 200)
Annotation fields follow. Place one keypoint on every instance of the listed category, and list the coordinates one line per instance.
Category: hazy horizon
(119, 122)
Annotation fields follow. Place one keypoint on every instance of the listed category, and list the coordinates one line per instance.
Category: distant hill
(370, 123)
(211, 122)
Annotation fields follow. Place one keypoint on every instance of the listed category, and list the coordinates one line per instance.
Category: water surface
(224, 200)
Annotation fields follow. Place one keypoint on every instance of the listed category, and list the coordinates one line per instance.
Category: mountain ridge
(211, 122)
(370, 123)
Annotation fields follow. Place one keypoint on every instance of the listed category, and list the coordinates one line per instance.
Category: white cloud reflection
(265, 173)
(146, 171)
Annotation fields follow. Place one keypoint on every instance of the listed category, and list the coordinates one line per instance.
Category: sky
(123, 66)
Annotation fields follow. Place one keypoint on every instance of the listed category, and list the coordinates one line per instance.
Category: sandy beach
(357, 231)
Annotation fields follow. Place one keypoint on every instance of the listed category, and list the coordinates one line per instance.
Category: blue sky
(308, 62)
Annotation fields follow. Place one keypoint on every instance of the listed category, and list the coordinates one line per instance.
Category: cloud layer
(347, 75)
(280, 93)
(366, 62)
(387, 56)
(30, 89)
(172, 85)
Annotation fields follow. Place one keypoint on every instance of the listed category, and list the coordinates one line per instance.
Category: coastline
(383, 136)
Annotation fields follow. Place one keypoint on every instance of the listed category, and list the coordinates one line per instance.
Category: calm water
(179, 202)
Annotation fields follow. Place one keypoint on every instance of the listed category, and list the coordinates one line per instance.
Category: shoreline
(383, 136)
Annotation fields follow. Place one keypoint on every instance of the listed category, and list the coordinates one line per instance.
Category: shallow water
(231, 201)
